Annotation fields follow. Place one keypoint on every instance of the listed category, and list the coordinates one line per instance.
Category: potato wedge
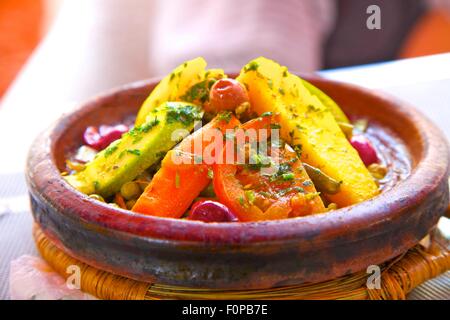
(310, 127)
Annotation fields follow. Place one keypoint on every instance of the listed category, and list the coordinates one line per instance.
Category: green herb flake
(307, 183)
(148, 125)
(290, 189)
(225, 116)
(298, 149)
(136, 152)
(111, 149)
(199, 92)
(252, 66)
(288, 176)
(275, 126)
(177, 180)
(312, 108)
(281, 91)
(186, 114)
(258, 161)
(250, 195)
(210, 173)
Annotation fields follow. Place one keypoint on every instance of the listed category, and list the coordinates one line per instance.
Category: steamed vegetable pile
(266, 145)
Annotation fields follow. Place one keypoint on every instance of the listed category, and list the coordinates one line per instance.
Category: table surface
(424, 82)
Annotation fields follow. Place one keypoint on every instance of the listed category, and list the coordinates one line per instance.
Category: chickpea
(377, 170)
(130, 203)
(332, 206)
(97, 197)
(74, 165)
(130, 190)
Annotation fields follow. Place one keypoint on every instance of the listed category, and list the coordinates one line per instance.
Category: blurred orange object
(20, 32)
(430, 35)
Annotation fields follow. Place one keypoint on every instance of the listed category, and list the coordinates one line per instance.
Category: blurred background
(79, 47)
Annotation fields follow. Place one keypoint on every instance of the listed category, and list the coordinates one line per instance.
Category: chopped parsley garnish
(258, 161)
(186, 114)
(275, 126)
(210, 173)
(298, 149)
(225, 116)
(112, 148)
(266, 114)
(250, 195)
(284, 171)
(289, 176)
(290, 189)
(136, 152)
(146, 127)
(312, 108)
(252, 66)
(199, 92)
(136, 132)
(177, 180)
(307, 183)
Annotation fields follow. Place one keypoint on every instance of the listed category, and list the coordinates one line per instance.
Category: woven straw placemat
(399, 277)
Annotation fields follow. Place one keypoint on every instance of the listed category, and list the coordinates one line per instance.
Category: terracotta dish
(251, 254)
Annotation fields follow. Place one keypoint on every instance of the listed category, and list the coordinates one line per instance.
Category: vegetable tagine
(266, 145)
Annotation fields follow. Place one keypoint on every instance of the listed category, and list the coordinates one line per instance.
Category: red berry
(91, 137)
(226, 94)
(109, 134)
(211, 211)
(365, 149)
(100, 138)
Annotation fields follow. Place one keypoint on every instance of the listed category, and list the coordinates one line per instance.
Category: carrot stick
(173, 188)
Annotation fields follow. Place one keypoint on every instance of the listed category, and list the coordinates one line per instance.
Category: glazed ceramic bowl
(241, 255)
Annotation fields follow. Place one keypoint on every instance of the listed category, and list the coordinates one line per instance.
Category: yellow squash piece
(175, 85)
(337, 112)
(309, 126)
